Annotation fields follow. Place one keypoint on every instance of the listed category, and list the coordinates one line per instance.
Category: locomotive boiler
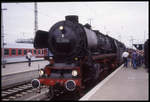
(80, 55)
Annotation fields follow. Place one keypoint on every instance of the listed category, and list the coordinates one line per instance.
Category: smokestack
(72, 18)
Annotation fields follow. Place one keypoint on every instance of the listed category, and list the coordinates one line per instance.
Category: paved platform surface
(122, 84)
(22, 67)
(20, 59)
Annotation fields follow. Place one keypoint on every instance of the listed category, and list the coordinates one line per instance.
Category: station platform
(22, 67)
(122, 84)
(20, 59)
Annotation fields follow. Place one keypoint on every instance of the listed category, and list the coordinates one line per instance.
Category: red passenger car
(17, 52)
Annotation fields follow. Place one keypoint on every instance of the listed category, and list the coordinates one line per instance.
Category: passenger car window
(39, 51)
(25, 51)
(19, 51)
(13, 51)
(34, 51)
(6, 51)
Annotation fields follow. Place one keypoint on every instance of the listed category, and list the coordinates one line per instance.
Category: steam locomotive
(80, 56)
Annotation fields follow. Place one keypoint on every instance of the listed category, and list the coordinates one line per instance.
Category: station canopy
(139, 46)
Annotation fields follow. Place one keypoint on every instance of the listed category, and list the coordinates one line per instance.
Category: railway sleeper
(10, 92)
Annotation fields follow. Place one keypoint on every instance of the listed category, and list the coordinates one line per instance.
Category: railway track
(16, 91)
(17, 84)
(24, 91)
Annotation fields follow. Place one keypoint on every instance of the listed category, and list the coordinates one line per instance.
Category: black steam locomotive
(81, 55)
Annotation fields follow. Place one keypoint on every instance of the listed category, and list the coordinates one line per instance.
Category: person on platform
(28, 56)
(130, 59)
(134, 59)
(125, 58)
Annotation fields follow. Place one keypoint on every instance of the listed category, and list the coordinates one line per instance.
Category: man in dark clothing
(29, 55)
(134, 59)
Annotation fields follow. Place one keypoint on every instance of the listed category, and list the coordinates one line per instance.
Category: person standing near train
(28, 56)
(125, 58)
(134, 59)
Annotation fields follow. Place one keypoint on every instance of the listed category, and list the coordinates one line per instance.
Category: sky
(122, 20)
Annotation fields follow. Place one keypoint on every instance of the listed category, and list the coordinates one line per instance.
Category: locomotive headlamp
(51, 58)
(61, 27)
(74, 73)
(41, 72)
(76, 58)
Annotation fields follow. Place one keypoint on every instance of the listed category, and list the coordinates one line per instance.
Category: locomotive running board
(104, 56)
